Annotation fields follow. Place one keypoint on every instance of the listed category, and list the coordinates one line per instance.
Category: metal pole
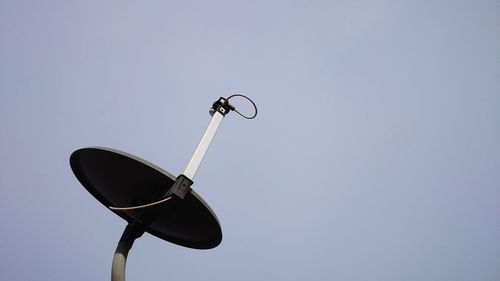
(130, 233)
(195, 161)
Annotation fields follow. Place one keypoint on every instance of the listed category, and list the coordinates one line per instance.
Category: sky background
(375, 155)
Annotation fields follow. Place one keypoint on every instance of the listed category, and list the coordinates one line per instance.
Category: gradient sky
(375, 155)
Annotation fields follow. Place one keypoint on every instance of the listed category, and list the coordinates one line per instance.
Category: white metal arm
(195, 161)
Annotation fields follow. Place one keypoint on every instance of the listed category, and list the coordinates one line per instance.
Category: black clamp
(181, 187)
(222, 106)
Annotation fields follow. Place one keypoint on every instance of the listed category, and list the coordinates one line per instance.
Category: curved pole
(130, 233)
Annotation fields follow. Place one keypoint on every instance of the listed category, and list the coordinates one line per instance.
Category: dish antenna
(151, 199)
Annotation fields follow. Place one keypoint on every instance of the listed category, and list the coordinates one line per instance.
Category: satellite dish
(151, 199)
(119, 179)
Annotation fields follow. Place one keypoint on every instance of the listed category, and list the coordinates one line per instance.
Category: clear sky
(375, 156)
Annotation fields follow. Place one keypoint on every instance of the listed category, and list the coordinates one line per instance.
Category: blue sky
(375, 155)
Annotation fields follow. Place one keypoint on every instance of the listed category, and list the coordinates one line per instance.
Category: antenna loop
(250, 100)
